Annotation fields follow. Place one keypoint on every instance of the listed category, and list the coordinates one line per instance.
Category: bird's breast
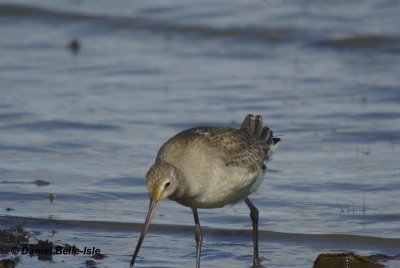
(219, 187)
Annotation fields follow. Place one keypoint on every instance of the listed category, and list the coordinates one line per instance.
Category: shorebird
(210, 167)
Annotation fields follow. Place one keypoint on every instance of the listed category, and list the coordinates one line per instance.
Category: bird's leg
(254, 219)
(199, 237)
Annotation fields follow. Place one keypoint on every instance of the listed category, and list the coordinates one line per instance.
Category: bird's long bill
(152, 209)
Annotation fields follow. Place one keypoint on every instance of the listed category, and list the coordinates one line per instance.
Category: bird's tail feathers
(253, 126)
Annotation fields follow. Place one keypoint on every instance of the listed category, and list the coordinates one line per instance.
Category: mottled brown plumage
(247, 147)
(210, 167)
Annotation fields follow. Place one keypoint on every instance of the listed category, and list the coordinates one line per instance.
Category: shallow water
(324, 77)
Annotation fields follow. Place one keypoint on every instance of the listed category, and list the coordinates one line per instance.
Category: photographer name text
(56, 250)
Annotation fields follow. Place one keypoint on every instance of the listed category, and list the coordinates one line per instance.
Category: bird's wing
(233, 146)
(247, 147)
(239, 148)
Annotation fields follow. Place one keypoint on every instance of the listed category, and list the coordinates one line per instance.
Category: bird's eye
(167, 184)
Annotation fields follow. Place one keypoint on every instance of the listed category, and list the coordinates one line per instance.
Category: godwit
(210, 167)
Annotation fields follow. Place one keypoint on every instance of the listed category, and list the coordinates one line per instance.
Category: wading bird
(210, 167)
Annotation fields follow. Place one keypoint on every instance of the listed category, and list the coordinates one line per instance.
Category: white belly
(228, 187)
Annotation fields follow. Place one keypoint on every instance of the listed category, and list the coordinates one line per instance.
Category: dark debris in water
(98, 256)
(90, 264)
(346, 259)
(15, 234)
(364, 42)
(38, 183)
(74, 46)
(52, 197)
(41, 183)
(40, 245)
(7, 263)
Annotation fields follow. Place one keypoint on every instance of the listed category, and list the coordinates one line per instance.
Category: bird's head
(162, 181)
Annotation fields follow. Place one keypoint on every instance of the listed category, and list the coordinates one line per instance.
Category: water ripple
(60, 125)
(300, 238)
